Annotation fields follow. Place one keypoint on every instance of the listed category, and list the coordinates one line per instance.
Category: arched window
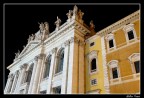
(29, 73)
(47, 67)
(93, 65)
(60, 58)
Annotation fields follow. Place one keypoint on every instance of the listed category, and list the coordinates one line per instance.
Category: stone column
(7, 84)
(21, 76)
(15, 81)
(72, 86)
(65, 68)
(105, 70)
(33, 75)
(51, 70)
(81, 67)
(10, 83)
(37, 74)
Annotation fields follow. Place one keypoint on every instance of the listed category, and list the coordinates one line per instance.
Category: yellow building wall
(137, 27)
(128, 87)
(99, 75)
(121, 53)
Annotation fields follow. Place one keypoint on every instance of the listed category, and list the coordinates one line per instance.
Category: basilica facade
(74, 59)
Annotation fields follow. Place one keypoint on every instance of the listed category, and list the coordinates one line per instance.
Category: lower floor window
(136, 64)
(43, 92)
(57, 90)
(114, 72)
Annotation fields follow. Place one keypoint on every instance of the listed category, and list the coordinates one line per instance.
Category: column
(33, 75)
(81, 67)
(20, 79)
(10, 83)
(65, 68)
(37, 74)
(15, 81)
(51, 70)
(106, 80)
(7, 84)
(72, 86)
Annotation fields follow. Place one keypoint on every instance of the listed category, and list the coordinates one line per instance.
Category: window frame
(126, 29)
(114, 64)
(108, 38)
(133, 58)
(92, 55)
(46, 66)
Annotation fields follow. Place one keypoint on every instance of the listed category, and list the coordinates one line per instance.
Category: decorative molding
(119, 24)
(105, 69)
(134, 57)
(113, 63)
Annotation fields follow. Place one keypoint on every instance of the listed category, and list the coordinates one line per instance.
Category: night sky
(22, 20)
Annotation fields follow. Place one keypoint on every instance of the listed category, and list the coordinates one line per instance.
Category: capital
(23, 66)
(10, 76)
(74, 39)
(66, 43)
(81, 43)
(40, 56)
(54, 50)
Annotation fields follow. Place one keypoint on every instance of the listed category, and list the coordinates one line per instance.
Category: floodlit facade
(74, 59)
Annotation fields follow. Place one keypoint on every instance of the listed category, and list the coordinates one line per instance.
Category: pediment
(29, 47)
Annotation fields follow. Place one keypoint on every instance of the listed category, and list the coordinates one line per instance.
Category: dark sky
(22, 20)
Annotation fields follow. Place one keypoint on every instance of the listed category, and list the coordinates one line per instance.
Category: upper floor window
(135, 62)
(111, 44)
(29, 73)
(130, 35)
(47, 67)
(60, 61)
(93, 65)
(93, 61)
(110, 41)
(130, 32)
(114, 69)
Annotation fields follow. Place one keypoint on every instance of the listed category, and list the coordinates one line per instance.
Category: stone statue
(92, 26)
(29, 39)
(46, 27)
(41, 26)
(17, 54)
(32, 37)
(58, 22)
(80, 14)
(75, 10)
(69, 14)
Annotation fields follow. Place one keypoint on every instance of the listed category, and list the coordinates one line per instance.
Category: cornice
(128, 19)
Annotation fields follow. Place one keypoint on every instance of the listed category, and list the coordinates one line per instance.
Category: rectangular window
(114, 72)
(91, 44)
(111, 44)
(130, 35)
(43, 92)
(136, 64)
(57, 90)
(93, 82)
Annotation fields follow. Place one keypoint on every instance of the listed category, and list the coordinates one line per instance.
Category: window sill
(59, 73)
